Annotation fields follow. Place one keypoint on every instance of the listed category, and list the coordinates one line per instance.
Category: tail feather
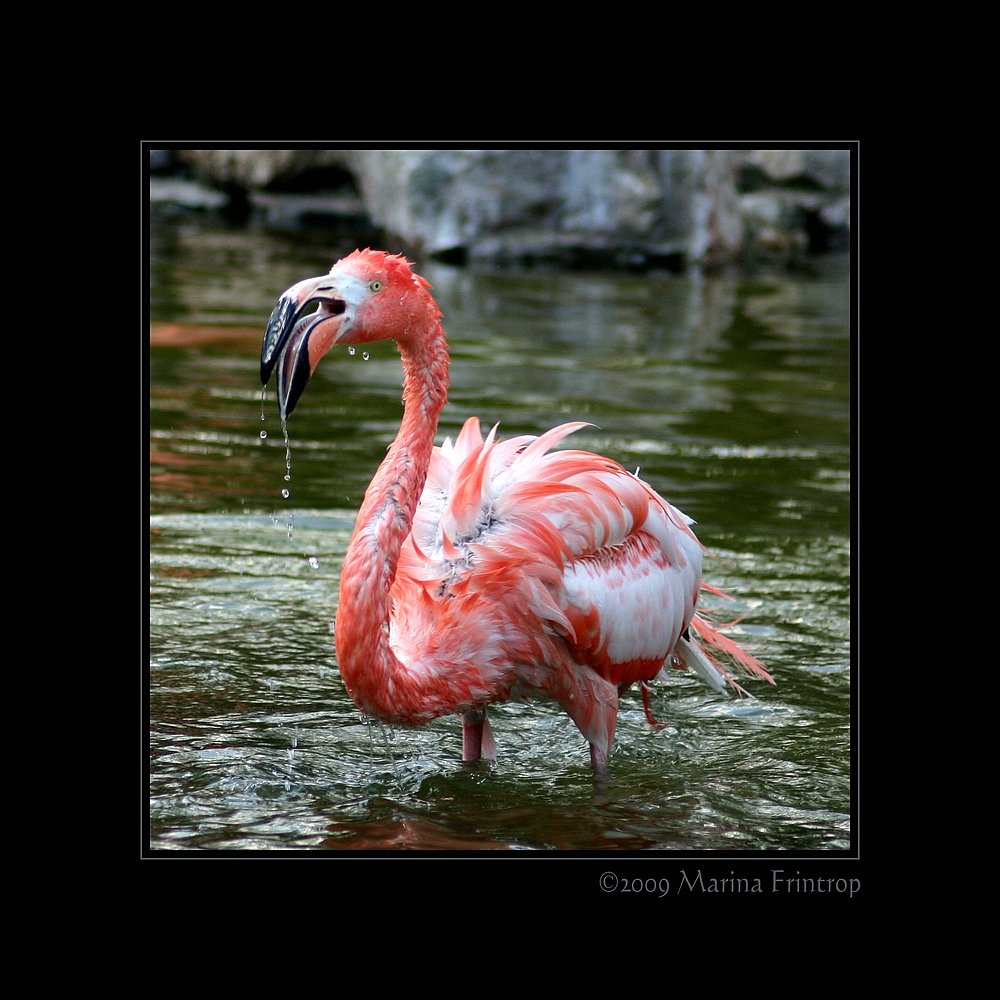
(742, 660)
(689, 656)
(699, 656)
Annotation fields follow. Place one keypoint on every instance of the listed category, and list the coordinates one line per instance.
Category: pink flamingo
(485, 570)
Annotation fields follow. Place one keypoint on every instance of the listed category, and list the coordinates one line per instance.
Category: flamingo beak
(291, 340)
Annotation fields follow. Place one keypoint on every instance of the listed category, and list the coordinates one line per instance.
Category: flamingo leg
(477, 736)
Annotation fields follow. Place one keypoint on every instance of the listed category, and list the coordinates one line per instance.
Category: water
(733, 396)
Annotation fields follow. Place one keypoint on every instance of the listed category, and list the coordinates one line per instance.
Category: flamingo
(486, 569)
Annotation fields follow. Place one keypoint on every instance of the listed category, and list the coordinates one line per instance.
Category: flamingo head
(368, 295)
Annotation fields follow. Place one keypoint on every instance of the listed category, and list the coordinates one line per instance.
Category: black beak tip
(292, 380)
(279, 326)
(291, 358)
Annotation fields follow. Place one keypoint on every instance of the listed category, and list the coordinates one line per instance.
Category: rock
(606, 190)
(829, 169)
(290, 210)
(772, 226)
(256, 169)
(554, 204)
(189, 194)
(585, 207)
(799, 201)
(837, 213)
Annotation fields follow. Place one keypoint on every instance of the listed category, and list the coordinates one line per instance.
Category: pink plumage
(490, 569)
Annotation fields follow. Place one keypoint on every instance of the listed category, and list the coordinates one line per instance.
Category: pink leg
(477, 736)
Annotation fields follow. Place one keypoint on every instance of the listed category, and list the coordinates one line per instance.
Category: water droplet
(288, 469)
(263, 434)
(365, 355)
(351, 350)
(314, 562)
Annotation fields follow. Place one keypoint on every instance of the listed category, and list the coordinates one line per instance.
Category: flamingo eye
(376, 284)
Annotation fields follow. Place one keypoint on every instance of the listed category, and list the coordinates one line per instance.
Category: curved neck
(374, 676)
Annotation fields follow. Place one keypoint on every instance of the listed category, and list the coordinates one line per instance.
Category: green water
(730, 393)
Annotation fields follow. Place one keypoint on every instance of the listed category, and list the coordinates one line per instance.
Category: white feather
(694, 659)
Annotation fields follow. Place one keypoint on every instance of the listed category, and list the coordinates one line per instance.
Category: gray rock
(189, 194)
(837, 214)
(773, 228)
(256, 169)
(828, 168)
(630, 207)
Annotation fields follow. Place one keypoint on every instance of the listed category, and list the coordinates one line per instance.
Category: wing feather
(564, 547)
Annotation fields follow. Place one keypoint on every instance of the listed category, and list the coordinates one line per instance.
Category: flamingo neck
(379, 683)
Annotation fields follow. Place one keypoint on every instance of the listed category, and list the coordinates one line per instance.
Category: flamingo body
(485, 570)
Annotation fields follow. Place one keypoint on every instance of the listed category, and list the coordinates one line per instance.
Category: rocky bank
(632, 208)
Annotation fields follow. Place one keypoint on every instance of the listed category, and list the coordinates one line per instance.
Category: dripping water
(387, 738)
(286, 492)
(351, 350)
